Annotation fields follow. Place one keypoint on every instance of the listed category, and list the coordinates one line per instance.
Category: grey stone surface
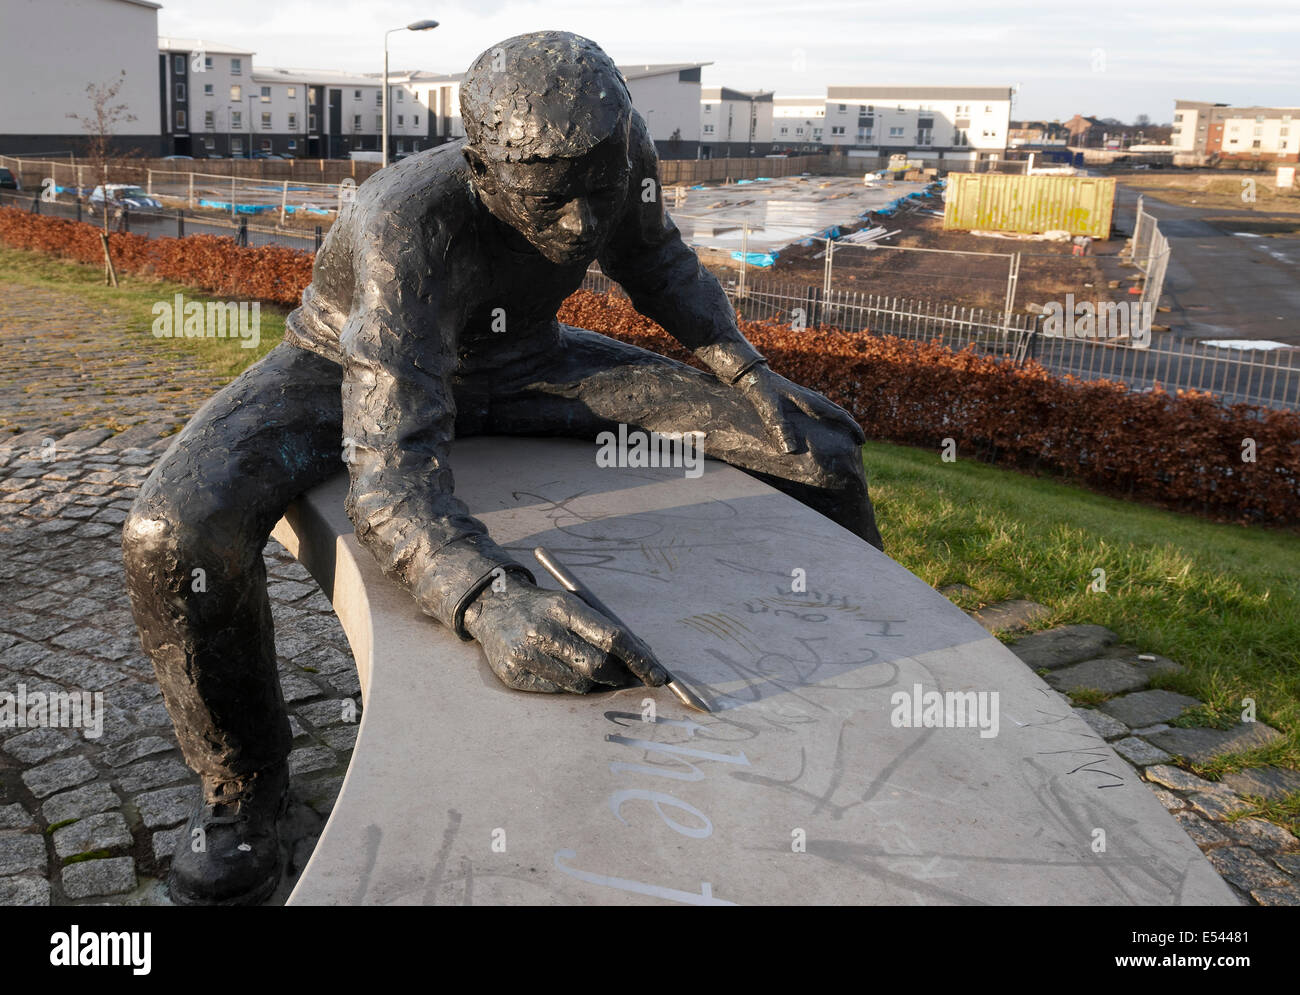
(1010, 616)
(135, 749)
(1261, 835)
(1168, 799)
(1246, 869)
(1139, 752)
(1289, 862)
(58, 775)
(106, 831)
(1107, 676)
(311, 758)
(1269, 783)
(149, 774)
(1102, 724)
(1217, 806)
(1181, 780)
(1202, 744)
(1203, 834)
(1063, 646)
(22, 853)
(79, 803)
(167, 806)
(844, 771)
(1147, 708)
(24, 890)
(92, 878)
(14, 816)
(1276, 897)
(38, 744)
(164, 842)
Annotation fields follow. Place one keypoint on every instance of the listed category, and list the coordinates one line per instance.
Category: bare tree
(99, 125)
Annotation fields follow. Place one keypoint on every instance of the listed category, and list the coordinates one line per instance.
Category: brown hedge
(1182, 450)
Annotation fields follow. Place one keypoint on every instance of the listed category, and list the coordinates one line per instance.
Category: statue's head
(546, 120)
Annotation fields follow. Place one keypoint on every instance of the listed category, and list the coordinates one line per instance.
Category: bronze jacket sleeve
(399, 354)
(663, 276)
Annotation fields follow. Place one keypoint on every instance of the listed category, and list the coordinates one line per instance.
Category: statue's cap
(542, 95)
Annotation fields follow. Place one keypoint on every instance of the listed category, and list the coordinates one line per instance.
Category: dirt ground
(1215, 188)
(1048, 271)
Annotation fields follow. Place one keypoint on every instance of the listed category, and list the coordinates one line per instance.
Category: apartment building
(797, 124)
(668, 97)
(424, 109)
(964, 123)
(52, 50)
(1206, 132)
(735, 122)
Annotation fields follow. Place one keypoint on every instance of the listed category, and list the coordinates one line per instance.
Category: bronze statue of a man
(431, 315)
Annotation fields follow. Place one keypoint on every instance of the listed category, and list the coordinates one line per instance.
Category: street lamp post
(414, 26)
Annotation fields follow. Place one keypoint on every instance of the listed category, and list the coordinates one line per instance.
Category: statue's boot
(229, 853)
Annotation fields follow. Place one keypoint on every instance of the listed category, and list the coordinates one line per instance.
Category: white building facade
(962, 123)
(668, 97)
(734, 122)
(52, 50)
(798, 124)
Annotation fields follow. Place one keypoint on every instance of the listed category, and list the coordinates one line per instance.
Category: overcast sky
(1109, 58)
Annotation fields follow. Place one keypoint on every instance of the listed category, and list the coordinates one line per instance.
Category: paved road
(1223, 285)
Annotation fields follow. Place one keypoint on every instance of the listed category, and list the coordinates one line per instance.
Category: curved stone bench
(811, 782)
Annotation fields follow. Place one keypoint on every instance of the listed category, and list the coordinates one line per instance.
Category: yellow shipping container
(1081, 205)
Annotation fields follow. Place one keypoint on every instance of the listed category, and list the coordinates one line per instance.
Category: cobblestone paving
(69, 364)
(85, 819)
(1259, 859)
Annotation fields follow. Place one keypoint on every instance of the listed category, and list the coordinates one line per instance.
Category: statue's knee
(163, 545)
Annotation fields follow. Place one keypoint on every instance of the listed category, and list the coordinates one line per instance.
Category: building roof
(834, 93)
(726, 93)
(658, 69)
(144, 3)
(199, 45)
(323, 77)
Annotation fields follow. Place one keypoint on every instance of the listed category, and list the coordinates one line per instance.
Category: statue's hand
(769, 393)
(552, 641)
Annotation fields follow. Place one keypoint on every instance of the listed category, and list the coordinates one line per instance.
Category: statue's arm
(399, 347)
(664, 278)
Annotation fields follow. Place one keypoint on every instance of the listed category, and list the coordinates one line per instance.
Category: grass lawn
(134, 299)
(1223, 600)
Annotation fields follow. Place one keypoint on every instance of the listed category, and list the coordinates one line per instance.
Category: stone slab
(1063, 646)
(804, 785)
(1102, 724)
(1106, 676)
(1269, 783)
(1009, 616)
(1200, 745)
(1148, 708)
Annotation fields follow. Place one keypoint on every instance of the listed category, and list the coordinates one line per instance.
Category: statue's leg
(193, 551)
(592, 383)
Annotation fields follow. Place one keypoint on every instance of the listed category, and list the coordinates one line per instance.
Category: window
(865, 120)
(988, 109)
(293, 122)
(207, 63)
(236, 120)
(1178, 118)
(924, 136)
(708, 108)
(236, 146)
(1259, 118)
(415, 120)
(266, 120)
(1284, 130)
(180, 120)
(208, 90)
(356, 94)
(178, 63)
(959, 137)
(708, 129)
(399, 121)
(379, 122)
(266, 94)
(786, 131)
(266, 145)
(896, 132)
(180, 91)
(210, 144)
(401, 95)
(843, 108)
(293, 144)
(235, 92)
(311, 122)
(209, 121)
(236, 67)
(356, 122)
(292, 92)
(379, 98)
(837, 129)
(1255, 144)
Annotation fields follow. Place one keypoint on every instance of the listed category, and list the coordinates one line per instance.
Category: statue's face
(565, 208)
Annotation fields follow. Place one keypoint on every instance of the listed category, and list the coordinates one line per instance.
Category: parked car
(266, 155)
(167, 157)
(123, 195)
(8, 181)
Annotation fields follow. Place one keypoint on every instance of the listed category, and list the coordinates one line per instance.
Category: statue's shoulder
(430, 182)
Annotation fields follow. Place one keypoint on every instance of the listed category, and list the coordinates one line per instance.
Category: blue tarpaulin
(755, 258)
(224, 205)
